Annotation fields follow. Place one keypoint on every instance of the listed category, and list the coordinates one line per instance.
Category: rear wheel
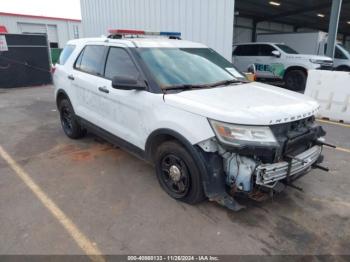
(178, 174)
(295, 80)
(69, 122)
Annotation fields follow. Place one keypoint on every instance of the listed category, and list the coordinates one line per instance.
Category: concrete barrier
(332, 90)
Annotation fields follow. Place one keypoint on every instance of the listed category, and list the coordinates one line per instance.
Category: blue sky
(57, 8)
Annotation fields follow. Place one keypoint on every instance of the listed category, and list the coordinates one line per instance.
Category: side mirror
(127, 83)
(276, 53)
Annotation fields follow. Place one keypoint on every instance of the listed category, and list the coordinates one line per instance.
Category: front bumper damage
(269, 174)
(251, 173)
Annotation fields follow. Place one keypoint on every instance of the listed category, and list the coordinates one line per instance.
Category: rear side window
(246, 50)
(119, 63)
(65, 54)
(90, 59)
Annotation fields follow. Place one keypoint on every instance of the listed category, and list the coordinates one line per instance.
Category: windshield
(344, 48)
(287, 49)
(188, 66)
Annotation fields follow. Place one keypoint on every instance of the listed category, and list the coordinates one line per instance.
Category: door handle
(71, 77)
(103, 89)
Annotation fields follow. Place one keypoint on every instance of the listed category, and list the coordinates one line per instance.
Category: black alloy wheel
(178, 173)
(175, 175)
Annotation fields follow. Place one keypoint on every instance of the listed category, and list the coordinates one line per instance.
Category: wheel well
(60, 96)
(156, 142)
(160, 136)
(343, 67)
(292, 68)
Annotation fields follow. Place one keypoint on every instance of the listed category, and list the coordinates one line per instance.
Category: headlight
(320, 62)
(240, 135)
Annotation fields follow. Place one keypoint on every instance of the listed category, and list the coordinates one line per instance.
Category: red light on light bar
(126, 32)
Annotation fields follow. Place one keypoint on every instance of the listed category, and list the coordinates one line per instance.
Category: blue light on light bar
(177, 34)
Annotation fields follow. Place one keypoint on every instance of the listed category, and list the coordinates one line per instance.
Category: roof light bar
(141, 32)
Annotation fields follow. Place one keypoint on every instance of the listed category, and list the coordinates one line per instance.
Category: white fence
(332, 90)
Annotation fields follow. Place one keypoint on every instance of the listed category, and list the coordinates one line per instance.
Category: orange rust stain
(60, 149)
(82, 156)
(89, 152)
(93, 152)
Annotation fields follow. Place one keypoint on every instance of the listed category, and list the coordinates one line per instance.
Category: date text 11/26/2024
(173, 258)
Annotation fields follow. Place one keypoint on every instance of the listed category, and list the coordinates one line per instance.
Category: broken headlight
(241, 135)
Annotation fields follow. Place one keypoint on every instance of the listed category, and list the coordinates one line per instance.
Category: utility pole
(333, 27)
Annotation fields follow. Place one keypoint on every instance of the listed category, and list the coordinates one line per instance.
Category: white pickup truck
(181, 106)
(274, 61)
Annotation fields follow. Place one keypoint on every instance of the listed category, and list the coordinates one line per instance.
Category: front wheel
(295, 80)
(178, 174)
(343, 68)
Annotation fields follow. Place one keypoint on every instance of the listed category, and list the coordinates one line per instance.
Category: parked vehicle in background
(181, 106)
(275, 61)
(313, 43)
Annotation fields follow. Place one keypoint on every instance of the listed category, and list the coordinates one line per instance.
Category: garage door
(31, 28)
(52, 33)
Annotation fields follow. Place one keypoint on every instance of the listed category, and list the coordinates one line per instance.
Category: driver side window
(119, 63)
(266, 50)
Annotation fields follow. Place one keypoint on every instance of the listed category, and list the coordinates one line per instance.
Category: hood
(249, 104)
(308, 57)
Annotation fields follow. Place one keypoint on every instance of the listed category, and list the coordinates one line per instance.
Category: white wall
(65, 30)
(206, 21)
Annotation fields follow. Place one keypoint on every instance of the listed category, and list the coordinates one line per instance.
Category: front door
(123, 110)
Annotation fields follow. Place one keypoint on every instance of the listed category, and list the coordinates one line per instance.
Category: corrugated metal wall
(206, 21)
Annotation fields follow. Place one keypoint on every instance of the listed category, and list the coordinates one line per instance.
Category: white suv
(183, 107)
(278, 62)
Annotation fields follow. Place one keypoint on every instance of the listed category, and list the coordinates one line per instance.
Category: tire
(178, 174)
(343, 68)
(69, 122)
(295, 80)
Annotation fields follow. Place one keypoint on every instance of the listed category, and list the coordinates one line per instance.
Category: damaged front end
(259, 161)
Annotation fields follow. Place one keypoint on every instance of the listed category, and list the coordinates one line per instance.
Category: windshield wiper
(226, 82)
(202, 86)
(185, 87)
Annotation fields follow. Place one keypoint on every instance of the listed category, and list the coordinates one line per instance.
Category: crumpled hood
(250, 104)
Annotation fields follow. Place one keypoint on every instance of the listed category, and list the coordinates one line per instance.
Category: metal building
(218, 23)
(58, 30)
(256, 16)
(206, 21)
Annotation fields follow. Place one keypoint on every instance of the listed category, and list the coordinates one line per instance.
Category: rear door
(86, 78)
(244, 56)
